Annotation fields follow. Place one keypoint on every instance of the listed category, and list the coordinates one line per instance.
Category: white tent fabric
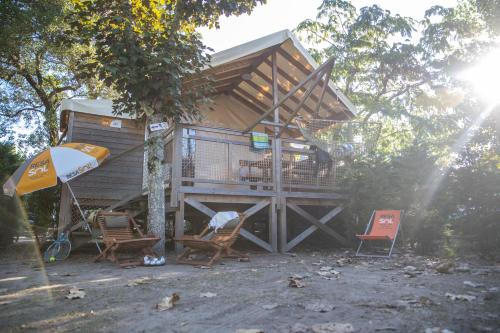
(100, 107)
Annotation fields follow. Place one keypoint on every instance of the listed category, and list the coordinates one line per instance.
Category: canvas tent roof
(244, 72)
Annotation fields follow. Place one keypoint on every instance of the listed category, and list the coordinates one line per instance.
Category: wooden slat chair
(219, 243)
(121, 233)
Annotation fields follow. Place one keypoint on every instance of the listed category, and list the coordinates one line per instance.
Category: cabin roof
(245, 72)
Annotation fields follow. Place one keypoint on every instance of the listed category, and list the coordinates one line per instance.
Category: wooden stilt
(179, 223)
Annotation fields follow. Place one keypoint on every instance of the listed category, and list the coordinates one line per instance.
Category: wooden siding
(119, 178)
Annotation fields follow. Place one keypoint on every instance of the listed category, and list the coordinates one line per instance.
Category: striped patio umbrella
(65, 162)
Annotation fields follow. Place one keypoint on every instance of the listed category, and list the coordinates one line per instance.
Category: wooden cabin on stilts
(261, 88)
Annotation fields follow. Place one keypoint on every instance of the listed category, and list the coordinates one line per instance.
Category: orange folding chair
(384, 226)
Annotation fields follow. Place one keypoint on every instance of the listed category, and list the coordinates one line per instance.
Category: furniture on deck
(121, 233)
(218, 242)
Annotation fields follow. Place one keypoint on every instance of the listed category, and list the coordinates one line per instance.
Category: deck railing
(216, 157)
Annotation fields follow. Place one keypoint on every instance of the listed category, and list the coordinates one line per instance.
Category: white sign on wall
(116, 123)
(158, 127)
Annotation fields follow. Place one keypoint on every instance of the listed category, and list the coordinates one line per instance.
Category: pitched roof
(244, 72)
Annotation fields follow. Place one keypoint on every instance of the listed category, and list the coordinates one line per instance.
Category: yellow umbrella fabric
(65, 162)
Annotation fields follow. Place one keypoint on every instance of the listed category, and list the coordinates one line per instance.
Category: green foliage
(11, 220)
(36, 71)
(431, 161)
(145, 49)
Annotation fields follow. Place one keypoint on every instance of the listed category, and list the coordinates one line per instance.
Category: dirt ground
(403, 294)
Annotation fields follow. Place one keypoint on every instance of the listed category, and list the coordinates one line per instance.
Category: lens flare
(485, 77)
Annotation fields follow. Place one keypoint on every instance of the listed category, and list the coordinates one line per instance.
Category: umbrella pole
(83, 217)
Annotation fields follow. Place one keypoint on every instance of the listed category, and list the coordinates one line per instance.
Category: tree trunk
(156, 180)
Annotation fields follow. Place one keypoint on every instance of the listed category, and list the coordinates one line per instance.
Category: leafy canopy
(144, 49)
(36, 70)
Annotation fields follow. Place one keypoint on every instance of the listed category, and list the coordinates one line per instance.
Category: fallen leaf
(270, 306)
(243, 259)
(328, 272)
(75, 293)
(473, 285)
(203, 267)
(319, 307)
(445, 268)
(167, 302)
(332, 328)
(136, 282)
(299, 328)
(454, 297)
(296, 282)
(207, 295)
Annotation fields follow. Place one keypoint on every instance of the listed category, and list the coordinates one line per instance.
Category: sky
(278, 15)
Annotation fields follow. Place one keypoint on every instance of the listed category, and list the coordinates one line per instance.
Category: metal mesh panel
(224, 159)
(303, 167)
(340, 139)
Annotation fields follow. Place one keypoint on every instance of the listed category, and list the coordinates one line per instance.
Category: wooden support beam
(248, 104)
(297, 64)
(317, 223)
(304, 98)
(65, 203)
(306, 233)
(282, 226)
(280, 87)
(249, 212)
(277, 160)
(266, 93)
(199, 206)
(176, 166)
(239, 92)
(290, 93)
(254, 100)
(254, 239)
(125, 200)
(179, 223)
(323, 90)
(256, 208)
(273, 226)
(270, 123)
(294, 82)
(254, 66)
(223, 191)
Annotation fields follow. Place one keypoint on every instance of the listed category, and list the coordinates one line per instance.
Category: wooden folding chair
(121, 233)
(383, 225)
(219, 243)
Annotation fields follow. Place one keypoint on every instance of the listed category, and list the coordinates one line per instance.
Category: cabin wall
(120, 177)
(227, 112)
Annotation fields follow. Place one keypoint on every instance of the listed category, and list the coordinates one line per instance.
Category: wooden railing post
(176, 166)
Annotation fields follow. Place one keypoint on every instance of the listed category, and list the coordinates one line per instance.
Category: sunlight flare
(485, 77)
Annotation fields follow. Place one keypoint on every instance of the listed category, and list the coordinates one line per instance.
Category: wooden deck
(219, 167)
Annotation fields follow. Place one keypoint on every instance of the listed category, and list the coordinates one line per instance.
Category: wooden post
(277, 153)
(273, 225)
(179, 222)
(276, 140)
(282, 227)
(65, 204)
(176, 166)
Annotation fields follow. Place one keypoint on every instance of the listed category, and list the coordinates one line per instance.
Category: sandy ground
(371, 295)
